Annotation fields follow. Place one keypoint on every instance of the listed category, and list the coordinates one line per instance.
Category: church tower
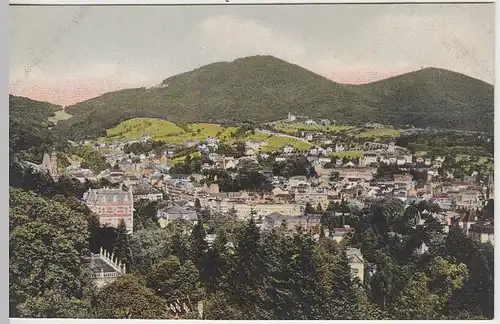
(53, 163)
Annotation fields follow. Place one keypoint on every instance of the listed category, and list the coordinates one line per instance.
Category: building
(368, 159)
(291, 118)
(143, 191)
(310, 223)
(339, 147)
(338, 234)
(112, 205)
(356, 262)
(483, 232)
(171, 213)
(312, 197)
(245, 210)
(49, 163)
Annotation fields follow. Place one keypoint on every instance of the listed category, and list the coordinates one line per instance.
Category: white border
(248, 2)
(219, 2)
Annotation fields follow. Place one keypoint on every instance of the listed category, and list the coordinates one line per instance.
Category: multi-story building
(143, 191)
(112, 205)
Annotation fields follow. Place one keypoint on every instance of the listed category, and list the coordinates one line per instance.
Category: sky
(65, 55)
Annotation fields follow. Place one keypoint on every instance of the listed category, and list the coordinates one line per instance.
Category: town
(288, 185)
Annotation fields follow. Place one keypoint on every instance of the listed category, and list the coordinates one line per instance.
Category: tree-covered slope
(28, 123)
(264, 88)
(433, 98)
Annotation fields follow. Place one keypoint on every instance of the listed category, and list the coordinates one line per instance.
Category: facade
(112, 205)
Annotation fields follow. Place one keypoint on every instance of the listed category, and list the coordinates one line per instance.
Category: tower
(53, 163)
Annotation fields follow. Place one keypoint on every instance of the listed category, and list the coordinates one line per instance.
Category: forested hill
(264, 88)
(29, 124)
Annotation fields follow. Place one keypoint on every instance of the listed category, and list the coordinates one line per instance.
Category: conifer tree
(217, 264)
(246, 277)
(122, 249)
(199, 246)
(197, 205)
(343, 294)
(275, 278)
(309, 209)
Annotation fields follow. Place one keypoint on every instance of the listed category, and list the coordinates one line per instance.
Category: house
(296, 181)
(112, 205)
(406, 179)
(147, 192)
(291, 118)
(356, 262)
(168, 214)
(483, 232)
(338, 234)
(368, 159)
(230, 162)
(428, 161)
(293, 223)
(444, 201)
(339, 147)
(324, 160)
(325, 122)
(82, 175)
(288, 149)
(310, 122)
(312, 197)
(391, 147)
(388, 159)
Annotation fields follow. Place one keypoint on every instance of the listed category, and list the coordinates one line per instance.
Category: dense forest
(246, 273)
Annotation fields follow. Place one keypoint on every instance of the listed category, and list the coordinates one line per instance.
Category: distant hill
(433, 97)
(28, 123)
(264, 88)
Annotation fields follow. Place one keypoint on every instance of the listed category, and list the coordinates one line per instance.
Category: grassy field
(420, 153)
(138, 127)
(294, 128)
(379, 132)
(60, 115)
(347, 154)
(162, 130)
(276, 142)
(182, 158)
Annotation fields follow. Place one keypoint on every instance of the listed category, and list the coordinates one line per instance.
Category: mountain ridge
(265, 88)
